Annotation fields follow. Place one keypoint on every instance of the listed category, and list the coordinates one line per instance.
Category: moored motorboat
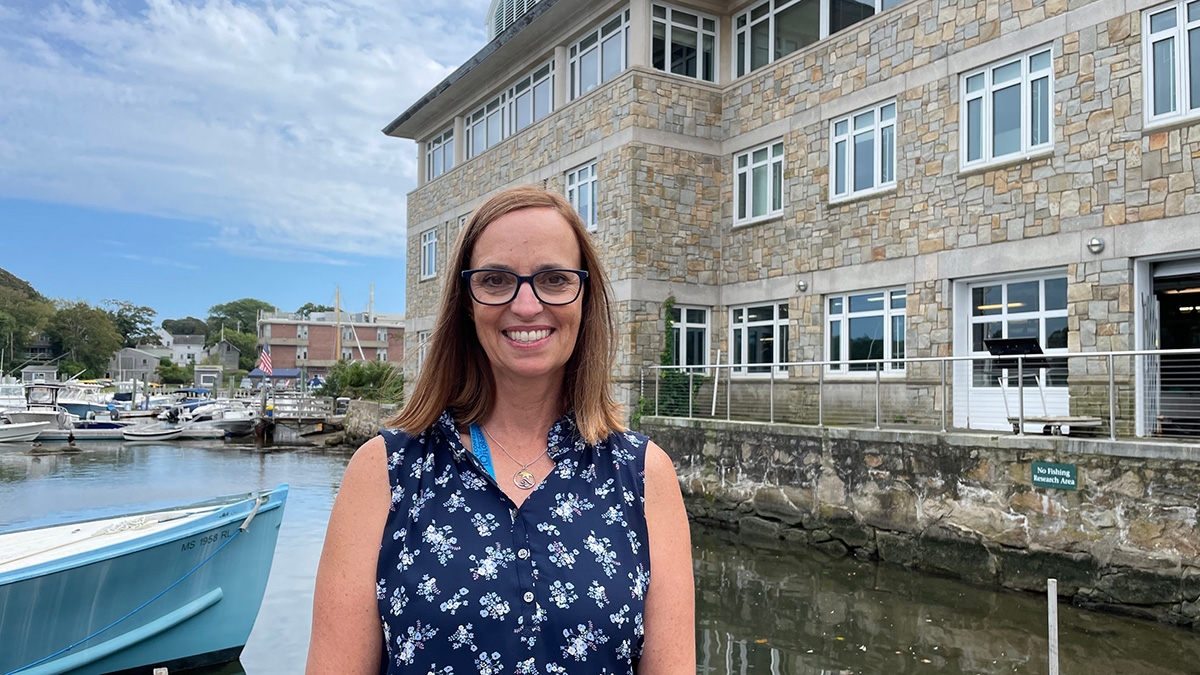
(174, 588)
(23, 431)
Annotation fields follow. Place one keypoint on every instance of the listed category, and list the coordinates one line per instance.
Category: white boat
(151, 432)
(12, 394)
(24, 431)
(174, 588)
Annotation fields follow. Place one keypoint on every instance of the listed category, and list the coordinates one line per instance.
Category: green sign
(1056, 476)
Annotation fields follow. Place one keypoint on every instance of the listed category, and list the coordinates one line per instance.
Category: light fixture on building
(1095, 245)
(802, 285)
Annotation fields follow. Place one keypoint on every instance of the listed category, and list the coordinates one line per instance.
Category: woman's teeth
(527, 335)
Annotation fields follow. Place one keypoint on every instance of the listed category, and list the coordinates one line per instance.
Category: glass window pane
(1056, 332)
(524, 106)
(541, 99)
(899, 299)
(1194, 68)
(974, 129)
(448, 149)
(737, 347)
(1164, 76)
(1162, 21)
(585, 205)
(737, 316)
(1023, 297)
(760, 44)
(760, 185)
(613, 51)
(1039, 112)
(660, 12)
(1028, 328)
(864, 120)
(781, 345)
(797, 26)
(708, 60)
(777, 186)
(685, 18)
(993, 330)
(1056, 293)
(760, 11)
(658, 47)
(611, 26)
(589, 71)
(985, 300)
(493, 129)
(835, 305)
(743, 160)
(760, 313)
(835, 342)
(1193, 11)
(478, 138)
(887, 154)
(864, 161)
(696, 316)
(846, 13)
(974, 83)
(437, 162)
(710, 25)
(760, 341)
(783, 311)
(839, 168)
(887, 112)
(867, 302)
(841, 127)
(684, 50)
(759, 156)
(696, 348)
(777, 150)
(897, 340)
(1039, 61)
(741, 54)
(1006, 121)
(1006, 73)
(675, 353)
(742, 197)
(866, 339)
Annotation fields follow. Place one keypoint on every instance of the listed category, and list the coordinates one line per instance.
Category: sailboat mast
(337, 312)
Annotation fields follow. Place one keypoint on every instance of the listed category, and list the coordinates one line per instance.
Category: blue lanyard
(479, 447)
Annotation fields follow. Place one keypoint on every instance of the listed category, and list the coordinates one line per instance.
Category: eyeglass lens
(554, 287)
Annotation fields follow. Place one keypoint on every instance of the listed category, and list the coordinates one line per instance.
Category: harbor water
(792, 612)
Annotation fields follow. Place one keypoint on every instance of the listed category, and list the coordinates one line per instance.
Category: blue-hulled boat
(176, 588)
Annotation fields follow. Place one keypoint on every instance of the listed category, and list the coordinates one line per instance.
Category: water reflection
(758, 611)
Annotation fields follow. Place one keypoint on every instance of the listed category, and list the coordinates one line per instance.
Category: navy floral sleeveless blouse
(469, 583)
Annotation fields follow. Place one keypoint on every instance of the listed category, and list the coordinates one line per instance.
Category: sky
(184, 153)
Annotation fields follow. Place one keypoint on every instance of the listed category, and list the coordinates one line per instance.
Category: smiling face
(526, 339)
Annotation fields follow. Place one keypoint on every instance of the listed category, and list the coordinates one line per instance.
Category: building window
(759, 337)
(864, 152)
(266, 330)
(1171, 49)
(1026, 308)
(348, 333)
(865, 327)
(439, 155)
(684, 43)
(347, 354)
(301, 353)
(1006, 109)
(600, 56)
(301, 332)
(531, 98)
(485, 127)
(764, 33)
(422, 348)
(381, 354)
(429, 254)
(381, 334)
(759, 183)
(689, 335)
(581, 192)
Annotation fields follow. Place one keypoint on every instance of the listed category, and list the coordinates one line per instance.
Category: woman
(509, 523)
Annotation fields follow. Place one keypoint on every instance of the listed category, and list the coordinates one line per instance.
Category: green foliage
(309, 308)
(135, 323)
(27, 317)
(169, 373)
(85, 334)
(69, 369)
(673, 384)
(369, 380)
(239, 315)
(247, 345)
(20, 286)
(186, 326)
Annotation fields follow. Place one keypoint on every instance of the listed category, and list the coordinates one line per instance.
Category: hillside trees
(135, 323)
(85, 334)
(185, 326)
(239, 315)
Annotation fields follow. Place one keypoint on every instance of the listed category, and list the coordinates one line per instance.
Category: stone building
(312, 342)
(851, 182)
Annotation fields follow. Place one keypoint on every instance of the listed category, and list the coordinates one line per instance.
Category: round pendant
(524, 479)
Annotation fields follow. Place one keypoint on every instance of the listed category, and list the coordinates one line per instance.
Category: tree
(186, 326)
(169, 373)
(239, 315)
(85, 334)
(309, 308)
(370, 380)
(31, 315)
(135, 323)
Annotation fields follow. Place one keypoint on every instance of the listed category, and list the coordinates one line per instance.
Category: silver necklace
(523, 478)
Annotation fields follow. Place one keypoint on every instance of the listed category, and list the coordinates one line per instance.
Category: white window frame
(480, 121)
(381, 354)
(581, 183)
(978, 90)
(743, 22)
(878, 121)
(441, 147)
(680, 328)
(613, 30)
(422, 348)
(1185, 85)
(539, 76)
(302, 353)
(429, 254)
(266, 331)
(1006, 317)
(381, 335)
(347, 353)
(706, 30)
(744, 164)
(739, 341)
(301, 332)
(840, 310)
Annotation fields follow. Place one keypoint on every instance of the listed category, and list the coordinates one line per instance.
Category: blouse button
(528, 596)
(523, 553)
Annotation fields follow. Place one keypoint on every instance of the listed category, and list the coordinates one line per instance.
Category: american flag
(264, 360)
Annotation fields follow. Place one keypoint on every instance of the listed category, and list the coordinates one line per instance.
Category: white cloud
(260, 118)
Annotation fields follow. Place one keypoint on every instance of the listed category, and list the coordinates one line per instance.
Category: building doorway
(1169, 384)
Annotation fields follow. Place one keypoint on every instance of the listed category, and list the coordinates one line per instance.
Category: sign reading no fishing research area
(1055, 476)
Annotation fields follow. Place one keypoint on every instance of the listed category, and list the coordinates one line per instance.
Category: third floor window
(439, 156)
(600, 55)
(684, 43)
(1007, 108)
(1171, 52)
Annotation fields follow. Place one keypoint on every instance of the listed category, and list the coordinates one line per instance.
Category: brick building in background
(846, 180)
(310, 342)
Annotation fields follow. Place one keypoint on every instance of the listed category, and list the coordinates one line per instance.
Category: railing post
(821, 395)
(1112, 401)
(728, 389)
(878, 394)
(691, 388)
(657, 378)
(772, 392)
(1020, 396)
(945, 404)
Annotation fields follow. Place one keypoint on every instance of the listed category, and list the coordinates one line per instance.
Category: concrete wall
(959, 504)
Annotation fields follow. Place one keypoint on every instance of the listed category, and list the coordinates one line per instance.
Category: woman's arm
(347, 635)
(670, 620)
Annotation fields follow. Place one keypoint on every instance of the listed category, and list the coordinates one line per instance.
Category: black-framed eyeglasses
(499, 287)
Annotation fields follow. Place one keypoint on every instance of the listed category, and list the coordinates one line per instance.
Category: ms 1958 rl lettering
(207, 539)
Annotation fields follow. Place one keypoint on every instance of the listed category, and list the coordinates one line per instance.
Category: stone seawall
(363, 421)
(959, 504)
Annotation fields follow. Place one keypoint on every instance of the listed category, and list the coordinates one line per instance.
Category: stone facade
(665, 147)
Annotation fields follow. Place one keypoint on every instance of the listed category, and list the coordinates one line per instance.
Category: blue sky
(184, 153)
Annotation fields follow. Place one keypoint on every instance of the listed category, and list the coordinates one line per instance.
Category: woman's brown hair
(457, 374)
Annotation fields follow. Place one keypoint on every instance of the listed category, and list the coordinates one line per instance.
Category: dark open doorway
(1179, 328)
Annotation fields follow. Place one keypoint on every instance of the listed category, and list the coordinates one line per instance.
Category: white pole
(716, 381)
(1052, 608)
